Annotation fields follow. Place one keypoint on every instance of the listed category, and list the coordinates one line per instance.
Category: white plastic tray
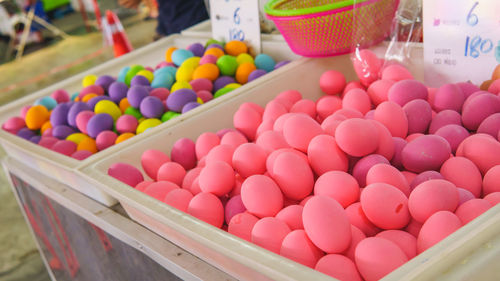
(61, 167)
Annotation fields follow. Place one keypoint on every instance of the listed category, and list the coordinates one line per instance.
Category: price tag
(236, 20)
(461, 40)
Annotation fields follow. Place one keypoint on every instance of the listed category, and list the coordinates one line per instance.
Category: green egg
(132, 72)
(213, 41)
(222, 92)
(227, 65)
(169, 115)
(134, 112)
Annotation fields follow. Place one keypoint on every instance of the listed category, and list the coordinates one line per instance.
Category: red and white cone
(115, 34)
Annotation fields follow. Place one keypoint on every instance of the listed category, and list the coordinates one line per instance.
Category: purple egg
(183, 152)
(425, 176)
(59, 115)
(281, 63)
(152, 107)
(464, 195)
(25, 133)
(444, 118)
(454, 134)
(93, 101)
(104, 81)
(117, 91)
(256, 74)
(98, 123)
(427, 152)
(448, 96)
(177, 99)
(215, 45)
(136, 94)
(362, 167)
(222, 81)
(490, 125)
(233, 207)
(419, 115)
(396, 160)
(35, 139)
(468, 88)
(190, 105)
(139, 80)
(197, 49)
(76, 108)
(370, 115)
(62, 131)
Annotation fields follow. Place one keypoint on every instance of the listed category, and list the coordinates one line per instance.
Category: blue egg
(74, 96)
(123, 73)
(265, 62)
(163, 80)
(168, 69)
(180, 55)
(48, 102)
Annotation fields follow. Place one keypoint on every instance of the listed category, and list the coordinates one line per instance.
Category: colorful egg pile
(110, 110)
(353, 186)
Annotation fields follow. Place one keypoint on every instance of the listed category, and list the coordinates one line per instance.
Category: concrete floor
(19, 257)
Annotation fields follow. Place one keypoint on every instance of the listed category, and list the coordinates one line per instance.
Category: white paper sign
(461, 40)
(236, 20)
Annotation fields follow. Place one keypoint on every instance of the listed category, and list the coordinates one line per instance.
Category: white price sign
(236, 20)
(461, 40)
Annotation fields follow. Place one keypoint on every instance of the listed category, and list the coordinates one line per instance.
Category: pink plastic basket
(320, 31)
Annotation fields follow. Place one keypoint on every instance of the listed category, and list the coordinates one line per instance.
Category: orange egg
(77, 99)
(243, 71)
(45, 126)
(485, 85)
(87, 144)
(88, 97)
(168, 54)
(235, 48)
(496, 73)
(124, 104)
(209, 71)
(214, 52)
(36, 116)
(123, 137)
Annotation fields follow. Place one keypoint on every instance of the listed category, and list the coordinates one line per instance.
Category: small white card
(236, 20)
(461, 40)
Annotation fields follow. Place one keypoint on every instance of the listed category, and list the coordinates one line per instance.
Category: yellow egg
(180, 85)
(233, 86)
(123, 137)
(192, 62)
(146, 73)
(88, 97)
(184, 73)
(199, 100)
(36, 116)
(235, 48)
(146, 124)
(87, 144)
(109, 107)
(77, 137)
(168, 54)
(243, 71)
(45, 126)
(242, 58)
(209, 71)
(215, 52)
(89, 80)
(124, 104)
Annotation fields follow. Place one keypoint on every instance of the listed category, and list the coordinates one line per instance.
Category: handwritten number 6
(472, 19)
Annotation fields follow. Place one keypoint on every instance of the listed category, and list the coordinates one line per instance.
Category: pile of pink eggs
(109, 110)
(354, 184)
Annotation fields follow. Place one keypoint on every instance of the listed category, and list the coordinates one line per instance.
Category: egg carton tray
(61, 167)
(469, 252)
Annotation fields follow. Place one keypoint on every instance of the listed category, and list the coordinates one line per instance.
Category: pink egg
(205, 96)
(346, 113)
(436, 228)
(383, 173)
(126, 173)
(405, 91)
(332, 82)
(405, 241)
(419, 114)
(413, 227)
(463, 173)
(357, 99)
(393, 214)
(221, 153)
(272, 157)
(143, 185)
(357, 137)
(208, 208)
(379, 90)
(353, 85)
(204, 143)
(338, 185)
(24, 110)
(292, 216)
(293, 175)
(327, 105)
(493, 198)
(251, 105)
(397, 160)
(271, 141)
(448, 96)
(234, 139)
(327, 225)
(325, 155)
(424, 153)
(358, 219)
(396, 72)
(392, 116)
(386, 146)
(305, 106)
(47, 141)
(494, 87)
(190, 176)
(171, 171)
(183, 152)
(292, 96)
(432, 196)
(490, 125)
(217, 178)
(478, 108)
(376, 257)
(357, 236)
(483, 151)
(151, 161)
(60, 95)
(261, 196)
(361, 168)
(247, 120)
(13, 124)
(468, 88)
(339, 267)
(443, 118)
(82, 119)
(81, 154)
(454, 134)
(242, 224)
(64, 147)
(208, 59)
(425, 176)
(266, 125)
(125, 124)
(299, 248)
(299, 130)
(161, 93)
(330, 124)
(201, 84)
(105, 139)
(92, 89)
(464, 195)
(414, 136)
(472, 209)
(249, 159)
(160, 189)
(233, 207)
(367, 66)
(195, 187)
(491, 180)
(269, 233)
(280, 122)
(273, 110)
